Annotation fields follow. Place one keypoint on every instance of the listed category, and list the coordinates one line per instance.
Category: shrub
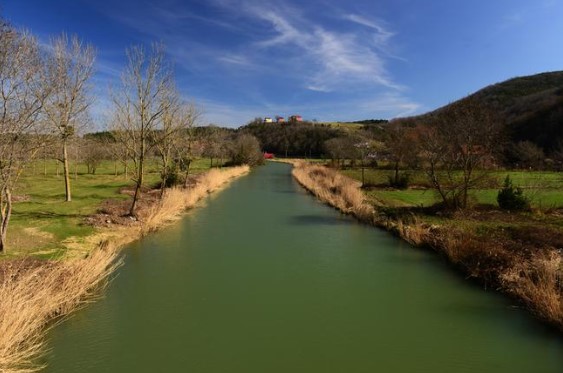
(171, 177)
(401, 182)
(245, 149)
(512, 198)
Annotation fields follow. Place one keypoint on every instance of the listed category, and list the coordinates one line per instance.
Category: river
(264, 278)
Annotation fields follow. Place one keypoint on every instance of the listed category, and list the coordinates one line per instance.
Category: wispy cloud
(257, 45)
(382, 35)
(236, 59)
(326, 59)
(390, 105)
(329, 59)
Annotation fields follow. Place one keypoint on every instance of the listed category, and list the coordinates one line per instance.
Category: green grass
(544, 189)
(41, 220)
(344, 125)
(402, 198)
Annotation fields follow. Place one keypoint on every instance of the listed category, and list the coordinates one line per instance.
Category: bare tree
(178, 118)
(245, 149)
(365, 148)
(215, 143)
(139, 106)
(456, 146)
(93, 152)
(189, 148)
(22, 93)
(526, 154)
(69, 68)
(337, 149)
(401, 144)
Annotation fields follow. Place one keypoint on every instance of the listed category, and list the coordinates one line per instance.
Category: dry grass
(176, 200)
(334, 189)
(414, 233)
(32, 296)
(539, 284)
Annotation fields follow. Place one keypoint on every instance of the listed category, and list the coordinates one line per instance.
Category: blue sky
(324, 59)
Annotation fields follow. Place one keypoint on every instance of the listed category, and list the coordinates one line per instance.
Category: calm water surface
(267, 279)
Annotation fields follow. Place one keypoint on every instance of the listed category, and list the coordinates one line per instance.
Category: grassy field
(344, 125)
(42, 221)
(544, 189)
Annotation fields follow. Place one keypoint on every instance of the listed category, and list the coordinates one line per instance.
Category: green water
(266, 279)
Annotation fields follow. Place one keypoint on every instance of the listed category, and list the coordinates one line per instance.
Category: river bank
(527, 269)
(36, 293)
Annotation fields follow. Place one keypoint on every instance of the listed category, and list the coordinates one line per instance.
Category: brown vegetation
(34, 293)
(519, 262)
(34, 296)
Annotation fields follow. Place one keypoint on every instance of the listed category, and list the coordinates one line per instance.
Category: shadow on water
(319, 220)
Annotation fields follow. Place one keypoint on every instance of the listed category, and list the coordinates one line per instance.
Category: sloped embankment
(533, 274)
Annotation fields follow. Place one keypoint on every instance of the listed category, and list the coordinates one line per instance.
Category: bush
(401, 182)
(172, 177)
(245, 149)
(512, 198)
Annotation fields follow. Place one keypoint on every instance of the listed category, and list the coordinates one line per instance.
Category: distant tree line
(298, 139)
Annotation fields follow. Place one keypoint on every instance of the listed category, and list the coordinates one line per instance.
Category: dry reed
(539, 284)
(31, 298)
(334, 189)
(176, 200)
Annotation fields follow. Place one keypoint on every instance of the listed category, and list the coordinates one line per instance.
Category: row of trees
(45, 96)
(452, 149)
(149, 115)
(299, 139)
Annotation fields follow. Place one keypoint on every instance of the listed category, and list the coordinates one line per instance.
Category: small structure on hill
(280, 119)
(296, 118)
(268, 120)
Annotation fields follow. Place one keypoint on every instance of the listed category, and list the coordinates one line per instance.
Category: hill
(531, 108)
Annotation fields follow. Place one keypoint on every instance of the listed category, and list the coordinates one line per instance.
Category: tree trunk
(135, 198)
(396, 173)
(188, 163)
(137, 191)
(163, 181)
(6, 214)
(140, 174)
(66, 173)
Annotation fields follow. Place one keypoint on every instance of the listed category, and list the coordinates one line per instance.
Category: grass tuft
(32, 297)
